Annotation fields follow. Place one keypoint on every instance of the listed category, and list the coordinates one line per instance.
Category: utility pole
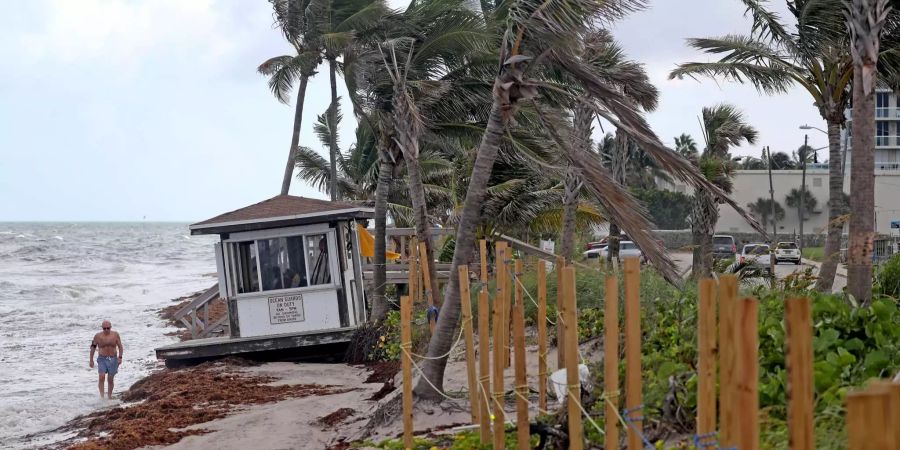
(774, 220)
(803, 156)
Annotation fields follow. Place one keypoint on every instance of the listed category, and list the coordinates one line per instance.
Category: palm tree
(539, 53)
(724, 126)
(762, 208)
(284, 71)
(686, 146)
(802, 201)
(865, 19)
(815, 56)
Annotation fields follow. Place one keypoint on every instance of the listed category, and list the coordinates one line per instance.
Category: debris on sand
(383, 372)
(170, 401)
(336, 417)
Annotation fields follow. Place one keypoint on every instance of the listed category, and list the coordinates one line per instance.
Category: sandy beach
(235, 403)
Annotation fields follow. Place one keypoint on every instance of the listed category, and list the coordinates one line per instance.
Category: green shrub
(889, 277)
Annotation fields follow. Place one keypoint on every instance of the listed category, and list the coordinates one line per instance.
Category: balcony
(887, 141)
(887, 113)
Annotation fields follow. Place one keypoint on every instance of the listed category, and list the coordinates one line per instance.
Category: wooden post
(507, 304)
(867, 425)
(482, 247)
(799, 364)
(406, 345)
(706, 342)
(502, 287)
(746, 378)
(633, 395)
(484, 342)
(466, 303)
(560, 306)
(523, 433)
(499, 414)
(425, 266)
(611, 362)
(727, 360)
(413, 275)
(573, 381)
(892, 413)
(542, 335)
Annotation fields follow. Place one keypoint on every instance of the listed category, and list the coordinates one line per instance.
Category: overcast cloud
(120, 110)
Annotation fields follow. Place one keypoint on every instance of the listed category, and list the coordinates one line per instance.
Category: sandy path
(294, 423)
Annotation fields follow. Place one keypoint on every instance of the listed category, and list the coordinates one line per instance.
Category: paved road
(683, 261)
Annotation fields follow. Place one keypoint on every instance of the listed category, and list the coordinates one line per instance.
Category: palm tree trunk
(570, 208)
(470, 217)
(862, 187)
(407, 129)
(385, 169)
(705, 215)
(332, 113)
(295, 137)
(825, 281)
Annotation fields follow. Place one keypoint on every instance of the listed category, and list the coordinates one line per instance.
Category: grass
(814, 253)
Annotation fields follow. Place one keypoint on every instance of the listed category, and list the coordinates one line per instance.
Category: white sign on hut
(290, 273)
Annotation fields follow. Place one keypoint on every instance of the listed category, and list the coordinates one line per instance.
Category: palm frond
(769, 80)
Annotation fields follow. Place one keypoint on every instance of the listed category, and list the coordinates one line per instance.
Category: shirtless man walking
(107, 362)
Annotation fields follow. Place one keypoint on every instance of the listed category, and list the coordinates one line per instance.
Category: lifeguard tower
(290, 273)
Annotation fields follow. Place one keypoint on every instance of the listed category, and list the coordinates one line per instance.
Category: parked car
(787, 251)
(757, 256)
(626, 249)
(603, 242)
(724, 247)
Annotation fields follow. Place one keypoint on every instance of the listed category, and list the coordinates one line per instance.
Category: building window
(882, 133)
(882, 104)
(817, 182)
(317, 252)
(282, 263)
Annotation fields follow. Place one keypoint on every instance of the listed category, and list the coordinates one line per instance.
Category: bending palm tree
(724, 126)
(537, 53)
(815, 56)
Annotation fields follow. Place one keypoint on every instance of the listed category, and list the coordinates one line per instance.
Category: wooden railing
(199, 323)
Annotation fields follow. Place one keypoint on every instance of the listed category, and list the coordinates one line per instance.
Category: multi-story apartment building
(887, 130)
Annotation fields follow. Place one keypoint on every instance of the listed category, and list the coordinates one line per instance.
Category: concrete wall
(749, 185)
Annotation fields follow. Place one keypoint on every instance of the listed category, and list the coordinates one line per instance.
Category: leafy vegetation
(668, 210)
(814, 253)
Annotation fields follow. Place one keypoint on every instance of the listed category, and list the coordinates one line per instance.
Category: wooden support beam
(406, 345)
(573, 381)
(484, 350)
(507, 304)
(728, 287)
(633, 394)
(867, 420)
(523, 433)
(560, 306)
(611, 362)
(482, 247)
(706, 342)
(799, 365)
(413, 282)
(468, 332)
(746, 378)
(542, 335)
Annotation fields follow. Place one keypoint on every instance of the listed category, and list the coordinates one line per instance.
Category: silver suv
(723, 247)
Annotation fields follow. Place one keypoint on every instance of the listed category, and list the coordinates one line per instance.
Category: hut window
(282, 264)
(317, 252)
(248, 279)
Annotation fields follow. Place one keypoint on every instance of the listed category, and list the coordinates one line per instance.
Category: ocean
(58, 282)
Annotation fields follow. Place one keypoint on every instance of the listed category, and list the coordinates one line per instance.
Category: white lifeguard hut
(290, 273)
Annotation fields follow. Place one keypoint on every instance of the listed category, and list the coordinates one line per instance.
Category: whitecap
(21, 236)
(58, 238)
(186, 237)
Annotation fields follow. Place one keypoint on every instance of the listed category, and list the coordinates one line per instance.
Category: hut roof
(280, 211)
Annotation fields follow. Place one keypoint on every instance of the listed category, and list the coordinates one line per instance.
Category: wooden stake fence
(799, 365)
(560, 333)
(633, 396)
(406, 363)
(746, 400)
(507, 304)
(466, 304)
(425, 265)
(499, 415)
(706, 343)
(573, 381)
(523, 433)
(727, 360)
(542, 335)
(484, 350)
(611, 362)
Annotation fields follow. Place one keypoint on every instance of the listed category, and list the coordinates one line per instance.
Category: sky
(125, 110)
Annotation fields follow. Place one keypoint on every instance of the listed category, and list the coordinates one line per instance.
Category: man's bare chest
(106, 341)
